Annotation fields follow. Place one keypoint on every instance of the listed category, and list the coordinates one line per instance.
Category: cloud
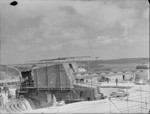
(56, 47)
(52, 47)
(98, 42)
(95, 14)
(128, 25)
(70, 19)
(128, 20)
(99, 15)
(73, 33)
(44, 48)
(105, 40)
(38, 40)
(80, 43)
(23, 47)
(146, 14)
(73, 27)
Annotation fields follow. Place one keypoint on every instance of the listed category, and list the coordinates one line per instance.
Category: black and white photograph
(74, 56)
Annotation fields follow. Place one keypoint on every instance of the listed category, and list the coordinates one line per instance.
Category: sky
(108, 29)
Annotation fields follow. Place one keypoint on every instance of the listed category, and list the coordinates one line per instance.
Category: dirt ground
(138, 102)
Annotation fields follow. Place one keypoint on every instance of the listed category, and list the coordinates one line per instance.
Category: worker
(123, 77)
(9, 95)
(107, 80)
(1, 101)
(54, 100)
(5, 88)
(116, 81)
(0, 89)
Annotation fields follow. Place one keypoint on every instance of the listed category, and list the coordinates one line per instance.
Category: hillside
(95, 65)
(4, 76)
(114, 64)
(7, 73)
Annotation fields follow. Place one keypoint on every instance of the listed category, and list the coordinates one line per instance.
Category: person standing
(107, 80)
(54, 100)
(123, 77)
(1, 101)
(116, 81)
(5, 88)
(9, 95)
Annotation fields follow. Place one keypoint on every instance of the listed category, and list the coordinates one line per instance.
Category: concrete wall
(88, 92)
(55, 76)
(41, 99)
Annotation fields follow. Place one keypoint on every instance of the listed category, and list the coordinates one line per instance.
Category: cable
(135, 101)
(115, 105)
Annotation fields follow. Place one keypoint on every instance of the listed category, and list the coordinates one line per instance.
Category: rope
(115, 105)
(135, 101)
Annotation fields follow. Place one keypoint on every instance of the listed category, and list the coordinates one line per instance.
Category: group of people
(116, 80)
(123, 78)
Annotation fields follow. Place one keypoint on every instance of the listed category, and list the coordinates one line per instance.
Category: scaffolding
(136, 103)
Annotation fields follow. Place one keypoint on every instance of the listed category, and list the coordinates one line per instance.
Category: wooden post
(127, 102)
(37, 79)
(47, 77)
(141, 99)
(109, 103)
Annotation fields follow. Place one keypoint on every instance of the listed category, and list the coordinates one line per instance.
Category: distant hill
(94, 65)
(4, 76)
(117, 64)
(7, 73)
(124, 61)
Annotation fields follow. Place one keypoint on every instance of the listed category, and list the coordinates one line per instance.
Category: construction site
(74, 56)
(61, 86)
